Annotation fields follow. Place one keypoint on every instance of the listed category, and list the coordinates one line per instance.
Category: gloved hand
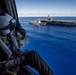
(14, 62)
(20, 30)
(18, 58)
(17, 53)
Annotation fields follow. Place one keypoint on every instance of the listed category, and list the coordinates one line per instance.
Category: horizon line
(50, 16)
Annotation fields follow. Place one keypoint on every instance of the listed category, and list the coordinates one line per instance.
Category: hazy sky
(45, 7)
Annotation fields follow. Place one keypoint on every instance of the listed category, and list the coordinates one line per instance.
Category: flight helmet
(7, 24)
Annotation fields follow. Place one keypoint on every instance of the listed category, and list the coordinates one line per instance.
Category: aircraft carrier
(49, 21)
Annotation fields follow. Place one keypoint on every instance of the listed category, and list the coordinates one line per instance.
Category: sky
(45, 7)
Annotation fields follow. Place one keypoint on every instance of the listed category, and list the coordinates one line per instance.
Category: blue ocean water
(55, 44)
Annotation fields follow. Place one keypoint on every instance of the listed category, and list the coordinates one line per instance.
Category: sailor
(9, 30)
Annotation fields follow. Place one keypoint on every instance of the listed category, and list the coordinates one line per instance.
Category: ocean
(55, 44)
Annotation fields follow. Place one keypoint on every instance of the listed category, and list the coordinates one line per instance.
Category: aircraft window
(9, 7)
